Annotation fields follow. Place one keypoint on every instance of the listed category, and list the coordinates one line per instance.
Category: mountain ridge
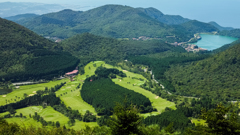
(110, 21)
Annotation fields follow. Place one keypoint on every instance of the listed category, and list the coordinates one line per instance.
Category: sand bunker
(156, 97)
(34, 91)
(30, 95)
(77, 95)
(4, 95)
(125, 71)
(120, 80)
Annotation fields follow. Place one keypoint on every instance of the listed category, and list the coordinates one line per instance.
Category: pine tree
(126, 120)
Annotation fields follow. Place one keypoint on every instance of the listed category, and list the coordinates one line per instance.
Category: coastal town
(189, 45)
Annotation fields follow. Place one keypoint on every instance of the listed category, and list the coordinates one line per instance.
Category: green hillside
(25, 55)
(20, 17)
(195, 26)
(217, 76)
(221, 28)
(88, 47)
(109, 21)
(166, 19)
(232, 33)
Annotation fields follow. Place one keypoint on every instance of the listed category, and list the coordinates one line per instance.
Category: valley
(72, 98)
(116, 70)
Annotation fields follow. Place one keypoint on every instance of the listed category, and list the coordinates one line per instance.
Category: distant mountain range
(8, 9)
(114, 21)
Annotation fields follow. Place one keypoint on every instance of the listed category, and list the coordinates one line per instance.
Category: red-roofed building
(71, 74)
(74, 72)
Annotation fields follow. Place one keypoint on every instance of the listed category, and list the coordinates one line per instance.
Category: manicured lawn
(24, 122)
(28, 89)
(82, 125)
(48, 114)
(73, 98)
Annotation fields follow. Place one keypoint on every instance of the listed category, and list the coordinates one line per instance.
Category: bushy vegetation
(177, 117)
(220, 121)
(27, 56)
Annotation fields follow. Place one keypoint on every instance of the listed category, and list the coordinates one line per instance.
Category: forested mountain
(195, 26)
(166, 19)
(88, 47)
(220, 27)
(109, 20)
(25, 55)
(21, 17)
(232, 33)
(217, 76)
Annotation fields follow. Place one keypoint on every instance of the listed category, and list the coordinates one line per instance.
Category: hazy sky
(224, 12)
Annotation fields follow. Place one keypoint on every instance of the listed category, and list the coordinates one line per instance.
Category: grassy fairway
(28, 89)
(28, 122)
(73, 98)
(48, 114)
(81, 125)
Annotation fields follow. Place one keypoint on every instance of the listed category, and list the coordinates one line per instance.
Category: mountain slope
(232, 33)
(217, 76)
(21, 17)
(195, 26)
(25, 55)
(166, 19)
(220, 27)
(109, 21)
(89, 47)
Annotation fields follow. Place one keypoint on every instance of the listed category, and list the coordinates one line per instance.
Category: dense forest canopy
(25, 55)
(217, 76)
(88, 47)
(103, 94)
(232, 33)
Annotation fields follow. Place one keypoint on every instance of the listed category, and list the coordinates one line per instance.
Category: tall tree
(126, 120)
